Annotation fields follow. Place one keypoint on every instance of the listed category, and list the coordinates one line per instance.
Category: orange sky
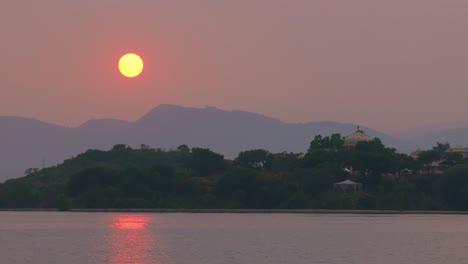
(391, 65)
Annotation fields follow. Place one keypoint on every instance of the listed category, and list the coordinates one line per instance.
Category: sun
(130, 65)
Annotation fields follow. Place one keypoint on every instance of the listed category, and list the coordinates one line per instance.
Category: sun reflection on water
(132, 241)
(130, 222)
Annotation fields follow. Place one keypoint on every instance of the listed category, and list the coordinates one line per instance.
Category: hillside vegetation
(125, 177)
(29, 143)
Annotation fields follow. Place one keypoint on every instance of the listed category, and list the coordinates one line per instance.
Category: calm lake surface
(55, 237)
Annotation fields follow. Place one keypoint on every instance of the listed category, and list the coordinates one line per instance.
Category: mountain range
(26, 143)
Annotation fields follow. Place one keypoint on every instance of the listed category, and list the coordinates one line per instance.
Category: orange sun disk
(130, 65)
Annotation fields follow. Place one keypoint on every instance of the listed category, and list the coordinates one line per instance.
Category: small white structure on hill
(347, 185)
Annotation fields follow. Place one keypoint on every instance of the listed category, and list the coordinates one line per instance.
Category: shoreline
(241, 211)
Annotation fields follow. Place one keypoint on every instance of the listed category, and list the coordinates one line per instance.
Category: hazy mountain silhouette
(454, 136)
(26, 143)
(427, 130)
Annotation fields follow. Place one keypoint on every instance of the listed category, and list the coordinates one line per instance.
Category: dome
(351, 141)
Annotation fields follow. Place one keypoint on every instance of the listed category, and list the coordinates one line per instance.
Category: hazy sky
(391, 65)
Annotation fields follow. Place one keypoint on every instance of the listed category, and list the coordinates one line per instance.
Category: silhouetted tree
(255, 159)
(205, 162)
(183, 148)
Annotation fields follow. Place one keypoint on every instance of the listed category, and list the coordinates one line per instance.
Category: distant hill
(454, 136)
(26, 143)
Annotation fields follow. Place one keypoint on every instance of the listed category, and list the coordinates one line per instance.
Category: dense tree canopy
(124, 177)
(254, 159)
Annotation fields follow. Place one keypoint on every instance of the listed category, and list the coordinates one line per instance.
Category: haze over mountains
(26, 143)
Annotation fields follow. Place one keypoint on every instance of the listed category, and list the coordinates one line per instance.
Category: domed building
(351, 141)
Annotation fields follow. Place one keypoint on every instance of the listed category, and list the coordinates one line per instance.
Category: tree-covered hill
(30, 143)
(125, 177)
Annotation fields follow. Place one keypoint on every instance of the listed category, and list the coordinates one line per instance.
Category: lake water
(54, 237)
